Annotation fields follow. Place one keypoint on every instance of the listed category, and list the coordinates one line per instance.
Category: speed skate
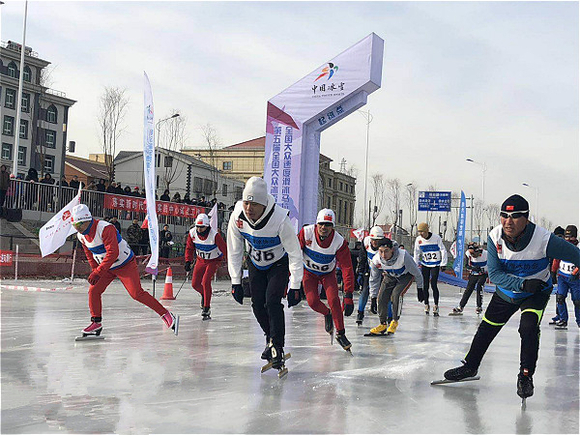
(447, 381)
(89, 337)
(282, 371)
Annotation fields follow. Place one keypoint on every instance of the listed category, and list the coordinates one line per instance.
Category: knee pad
(529, 323)
(560, 299)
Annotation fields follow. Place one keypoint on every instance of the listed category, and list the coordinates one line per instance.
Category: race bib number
(264, 256)
(203, 255)
(432, 256)
(314, 266)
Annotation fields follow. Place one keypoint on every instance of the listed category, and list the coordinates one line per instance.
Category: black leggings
(475, 282)
(267, 288)
(432, 272)
(497, 314)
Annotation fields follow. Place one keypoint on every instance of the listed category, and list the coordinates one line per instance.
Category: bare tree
(213, 142)
(546, 223)
(429, 214)
(411, 200)
(378, 195)
(394, 195)
(172, 138)
(478, 216)
(112, 110)
(492, 214)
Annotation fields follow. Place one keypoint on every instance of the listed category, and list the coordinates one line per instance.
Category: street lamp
(483, 169)
(16, 128)
(175, 115)
(537, 199)
(369, 118)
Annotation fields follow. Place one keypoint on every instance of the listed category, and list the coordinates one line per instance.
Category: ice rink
(143, 379)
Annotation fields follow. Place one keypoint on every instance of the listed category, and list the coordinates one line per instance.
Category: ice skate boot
(427, 309)
(377, 330)
(525, 384)
(267, 354)
(460, 373)
(171, 321)
(328, 324)
(457, 311)
(343, 341)
(561, 324)
(278, 360)
(206, 313)
(359, 317)
(478, 310)
(374, 306)
(94, 328)
(436, 310)
(392, 327)
(93, 331)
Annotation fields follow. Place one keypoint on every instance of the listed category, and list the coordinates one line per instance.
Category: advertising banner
(121, 202)
(460, 240)
(296, 117)
(53, 234)
(149, 175)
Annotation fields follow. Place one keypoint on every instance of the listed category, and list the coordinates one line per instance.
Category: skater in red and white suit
(322, 248)
(111, 257)
(209, 247)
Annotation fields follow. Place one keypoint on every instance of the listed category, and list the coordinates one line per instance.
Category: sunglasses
(325, 224)
(77, 224)
(513, 215)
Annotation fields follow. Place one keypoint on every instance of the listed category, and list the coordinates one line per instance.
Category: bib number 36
(262, 256)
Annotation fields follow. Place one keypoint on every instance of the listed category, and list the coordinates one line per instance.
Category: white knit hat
(377, 233)
(325, 215)
(81, 213)
(202, 220)
(256, 191)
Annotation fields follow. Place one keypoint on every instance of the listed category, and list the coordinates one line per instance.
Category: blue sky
(493, 81)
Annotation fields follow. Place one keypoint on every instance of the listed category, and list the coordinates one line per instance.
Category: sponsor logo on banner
(328, 71)
(66, 215)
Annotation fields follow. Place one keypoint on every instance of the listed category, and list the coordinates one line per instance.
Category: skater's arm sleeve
(374, 280)
(497, 275)
(219, 241)
(111, 246)
(362, 260)
(443, 253)
(90, 258)
(563, 250)
(417, 252)
(235, 251)
(345, 263)
(301, 238)
(411, 266)
(292, 247)
(189, 249)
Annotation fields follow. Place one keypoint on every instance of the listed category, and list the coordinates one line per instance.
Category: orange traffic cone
(168, 289)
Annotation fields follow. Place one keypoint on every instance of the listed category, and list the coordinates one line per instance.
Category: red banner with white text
(119, 202)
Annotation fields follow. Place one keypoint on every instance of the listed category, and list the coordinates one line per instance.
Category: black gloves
(293, 297)
(238, 293)
(187, 266)
(347, 304)
(420, 295)
(534, 285)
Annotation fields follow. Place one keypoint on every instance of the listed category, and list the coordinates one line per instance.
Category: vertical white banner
(149, 175)
(213, 217)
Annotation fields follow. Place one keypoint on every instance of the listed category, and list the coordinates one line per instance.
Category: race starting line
(33, 289)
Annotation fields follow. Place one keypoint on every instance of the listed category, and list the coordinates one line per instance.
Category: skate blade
(206, 318)
(524, 405)
(176, 328)
(370, 334)
(282, 372)
(332, 337)
(90, 338)
(349, 351)
(447, 381)
(269, 365)
(456, 314)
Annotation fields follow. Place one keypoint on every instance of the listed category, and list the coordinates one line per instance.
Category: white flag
(359, 234)
(453, 249)
(54, 233)
(149, 175)
(213, 217)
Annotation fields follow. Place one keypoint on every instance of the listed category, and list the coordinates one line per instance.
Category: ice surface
(143, 379)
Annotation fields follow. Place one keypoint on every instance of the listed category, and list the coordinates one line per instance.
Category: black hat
(559, 231)
(386, 242)
(516, 203)
(571, 231)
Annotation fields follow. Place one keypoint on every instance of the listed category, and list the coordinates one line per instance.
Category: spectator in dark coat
(63, 182)
(4, 184)
(145, 241)
(134, 236)
(101, 185)
(115, 222)
(47, 179)
(165, 196)
(32, 175)
(127, 191)
(119, 189)
(75, 183)
(176, 197)
(165, 237)
(186, 199)
(112, 187)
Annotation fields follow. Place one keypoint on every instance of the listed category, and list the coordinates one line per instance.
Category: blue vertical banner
(460, 240)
